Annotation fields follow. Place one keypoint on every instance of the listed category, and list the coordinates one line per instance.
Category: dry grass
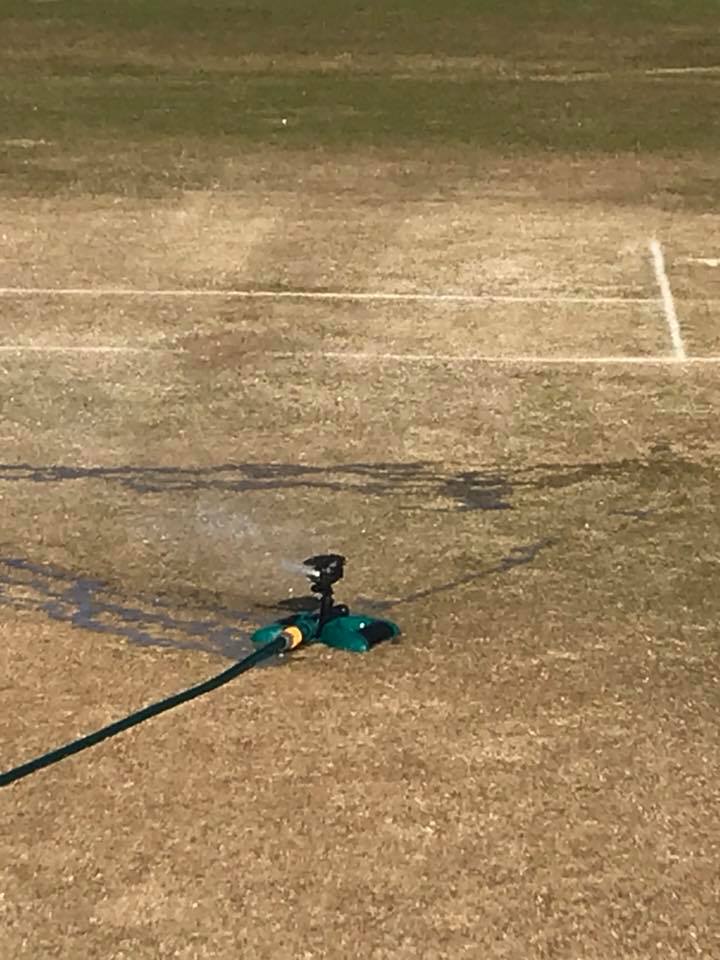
(371, 221)
(533, 772)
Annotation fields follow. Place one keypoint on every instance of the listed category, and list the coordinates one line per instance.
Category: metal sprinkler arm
(323, 571)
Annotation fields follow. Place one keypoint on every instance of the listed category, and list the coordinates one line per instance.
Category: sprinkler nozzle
(323, 571)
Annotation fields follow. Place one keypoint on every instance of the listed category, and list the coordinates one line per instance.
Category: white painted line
(580, 77)
(661, 276)
(679, 71)
(370, 357)
(310, 295)
(52, 348)
(705, 261)
(589, 76)
(519, 360)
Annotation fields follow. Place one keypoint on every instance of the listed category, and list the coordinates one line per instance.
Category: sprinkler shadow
(518, 556)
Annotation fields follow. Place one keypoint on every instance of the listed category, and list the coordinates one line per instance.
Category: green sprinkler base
(343, 630)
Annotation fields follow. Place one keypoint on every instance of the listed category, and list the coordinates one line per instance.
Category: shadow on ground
(473, 490)
(90, 604)
(469, 490)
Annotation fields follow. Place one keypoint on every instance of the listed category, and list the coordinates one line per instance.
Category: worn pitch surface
(533, 771)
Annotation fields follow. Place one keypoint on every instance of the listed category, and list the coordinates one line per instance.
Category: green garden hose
(286, 641)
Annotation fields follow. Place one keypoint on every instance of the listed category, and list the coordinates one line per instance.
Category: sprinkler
(331, 623)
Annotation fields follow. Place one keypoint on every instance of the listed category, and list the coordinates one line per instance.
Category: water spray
(331, 624)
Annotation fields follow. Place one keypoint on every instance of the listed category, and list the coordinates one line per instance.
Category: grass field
(455, 318)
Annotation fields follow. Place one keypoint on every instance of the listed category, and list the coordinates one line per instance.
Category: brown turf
(533, 771)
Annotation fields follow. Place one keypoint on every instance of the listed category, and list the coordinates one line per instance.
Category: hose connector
(293, 637)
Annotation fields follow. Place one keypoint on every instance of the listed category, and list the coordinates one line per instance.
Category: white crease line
(489, 359)
(52, 348)
(309, 295)
(679, 71)
(589, 76)
(369, 357)
(668, 302)
(705, 261)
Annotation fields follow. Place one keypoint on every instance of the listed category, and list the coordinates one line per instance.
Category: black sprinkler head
(323, 571)
(330, 623)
